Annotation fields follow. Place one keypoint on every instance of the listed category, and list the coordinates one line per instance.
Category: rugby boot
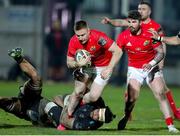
(122, 123)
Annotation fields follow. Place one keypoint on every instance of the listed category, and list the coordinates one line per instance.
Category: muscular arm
(160, 54)
(174, 40)
(157, 59)
(116, 55)
(115, 22)
(71, 63)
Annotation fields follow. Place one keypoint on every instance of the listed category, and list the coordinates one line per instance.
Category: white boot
(172, 129)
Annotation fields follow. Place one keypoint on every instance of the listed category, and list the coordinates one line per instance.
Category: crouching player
(31, 106)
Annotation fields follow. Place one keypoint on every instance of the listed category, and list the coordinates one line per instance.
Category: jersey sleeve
(71, 49)
(104, 41)
(121, 40)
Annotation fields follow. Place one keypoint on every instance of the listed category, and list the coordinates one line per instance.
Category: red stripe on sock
(169, 121)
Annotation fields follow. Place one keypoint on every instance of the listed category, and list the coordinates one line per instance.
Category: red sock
(169, 121)
(171, 101)
(81, 103)
(61, 127)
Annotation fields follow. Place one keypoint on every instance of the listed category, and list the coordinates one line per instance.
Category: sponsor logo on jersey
(102, 41)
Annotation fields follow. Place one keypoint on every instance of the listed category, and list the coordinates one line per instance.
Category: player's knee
(160, 95)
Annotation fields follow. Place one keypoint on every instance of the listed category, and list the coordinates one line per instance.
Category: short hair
(145, 3)
(134, 14)
(80, 24)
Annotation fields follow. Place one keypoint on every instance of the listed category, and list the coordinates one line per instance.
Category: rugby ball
(82, 54)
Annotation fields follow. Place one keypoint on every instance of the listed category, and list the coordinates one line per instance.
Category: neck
(146, 21)
(139, 31)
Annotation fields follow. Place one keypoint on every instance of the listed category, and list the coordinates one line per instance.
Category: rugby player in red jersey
(144, 9)
(144, 54)
(105, 54)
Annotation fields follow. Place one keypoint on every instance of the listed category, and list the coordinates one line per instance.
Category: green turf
(147, 118)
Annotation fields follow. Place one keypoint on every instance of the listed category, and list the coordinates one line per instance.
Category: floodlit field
(147, 118)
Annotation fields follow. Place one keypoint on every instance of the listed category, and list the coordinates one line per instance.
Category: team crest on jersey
(93, 48)
(146, 42)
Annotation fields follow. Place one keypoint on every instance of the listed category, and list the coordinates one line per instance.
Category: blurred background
(43, 27)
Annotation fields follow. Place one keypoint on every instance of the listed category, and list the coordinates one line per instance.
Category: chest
(138, 43)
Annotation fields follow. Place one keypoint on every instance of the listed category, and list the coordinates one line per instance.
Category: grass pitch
(147, 118)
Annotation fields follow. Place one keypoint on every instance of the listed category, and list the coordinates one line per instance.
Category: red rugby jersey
(152, 25)
(98, 45)
(140, 48)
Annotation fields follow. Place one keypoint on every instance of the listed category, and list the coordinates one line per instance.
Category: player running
(105, 55)
(144, 8)
(144, 54)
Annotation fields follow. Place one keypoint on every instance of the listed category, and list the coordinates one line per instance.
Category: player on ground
(31, 106)
(143, 57)
(144, 9)
(105, 55)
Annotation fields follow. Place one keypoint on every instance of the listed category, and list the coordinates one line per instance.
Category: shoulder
(155, 24)
(126, 33)
(73, 40)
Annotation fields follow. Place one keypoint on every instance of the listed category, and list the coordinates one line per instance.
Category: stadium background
(24, 23)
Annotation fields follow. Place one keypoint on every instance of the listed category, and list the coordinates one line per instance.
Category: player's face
(95, 114)
(134, 26)
(144, 10)
(82, 35)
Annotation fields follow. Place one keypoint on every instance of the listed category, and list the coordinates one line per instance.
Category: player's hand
(154, 33)
(84, 62)
(106, 73)
(105, 20)
(147, 67)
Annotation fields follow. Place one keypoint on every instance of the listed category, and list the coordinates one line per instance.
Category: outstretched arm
(115, 22)
(173, 40)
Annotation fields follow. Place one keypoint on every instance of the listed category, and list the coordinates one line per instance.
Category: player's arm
(115, 22)
(158, 57)
(174, 40)
(116, 55)
(72, 63)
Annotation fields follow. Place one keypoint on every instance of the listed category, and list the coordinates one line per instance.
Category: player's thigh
(133, 88)
(96, 90)
(157, 85)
